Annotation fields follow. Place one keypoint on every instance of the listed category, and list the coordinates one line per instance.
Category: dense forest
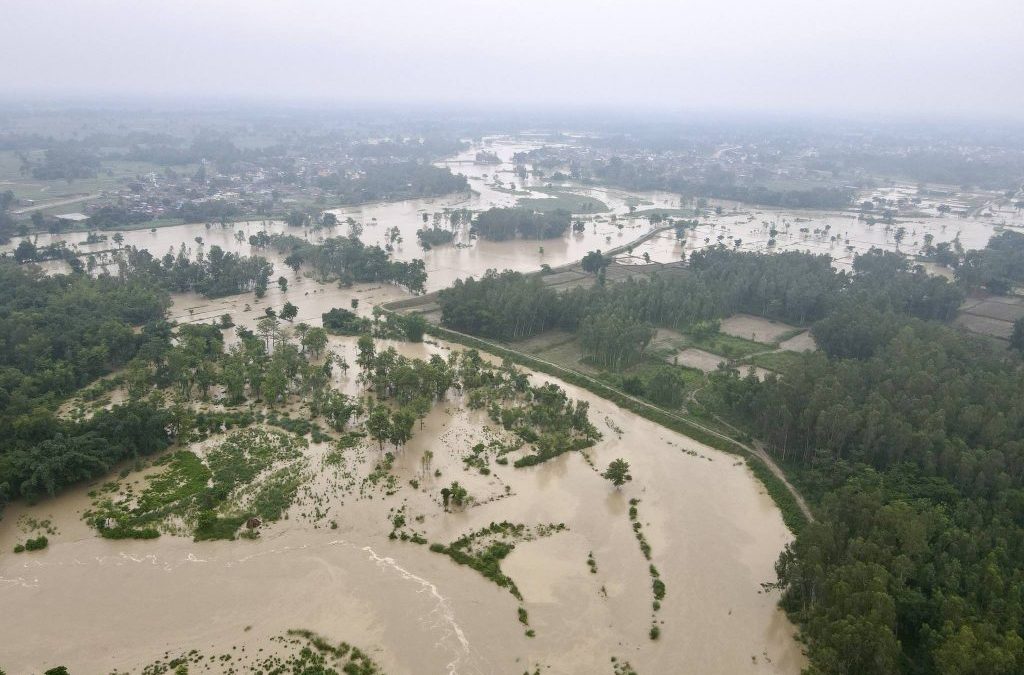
(906, 433)
(214, 274)
(393, 181)
(912, 449)
(348, 260)
(790, 286)
(58, 334)
(500, 224)
(670, 176)
(434, 236)
(997, 267)
(689, 159)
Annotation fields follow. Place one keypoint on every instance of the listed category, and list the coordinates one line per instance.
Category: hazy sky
(945, 57)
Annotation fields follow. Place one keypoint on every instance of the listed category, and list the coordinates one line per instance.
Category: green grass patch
(254, 472)
(729, 346)
(562, 199)
(779, 362)
(484, 549)
(647, 368)
(791, 514)
(299, 651)
(36, 544)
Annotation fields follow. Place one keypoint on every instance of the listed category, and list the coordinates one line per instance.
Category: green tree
(315, 340)
(233, 376)
(365, 355)
(378, 425)
(293, 261)
(268, 327)
(1017, 337)
(618, 472)
(594, 262)
(402, 421)
(25, 252)
(289, 311)
(138, 378)
(459, 494)
(425, 460)
(666, 387)
(338, 410)
(275, 383)
(414, 326)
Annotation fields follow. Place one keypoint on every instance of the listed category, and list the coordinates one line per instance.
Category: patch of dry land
(992, 316)
(363, 549)
(755, 328)
(696, 358)
(804, 342)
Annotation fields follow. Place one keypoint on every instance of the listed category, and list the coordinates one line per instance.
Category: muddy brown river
(95, 605)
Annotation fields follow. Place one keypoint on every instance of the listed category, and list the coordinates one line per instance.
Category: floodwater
(465, 257)
(752, 227)
(839, 234)
(95, 605)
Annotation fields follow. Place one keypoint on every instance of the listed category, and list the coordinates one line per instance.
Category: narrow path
(758, 447)
(757, 450)
(59, 202)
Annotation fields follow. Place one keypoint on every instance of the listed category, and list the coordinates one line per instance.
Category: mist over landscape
(626, 338)
(913, 57)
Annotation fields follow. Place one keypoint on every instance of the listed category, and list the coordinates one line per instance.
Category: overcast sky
(919, 57)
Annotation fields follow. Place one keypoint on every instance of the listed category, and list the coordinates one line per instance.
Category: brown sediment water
(751, 225)
(95, 605)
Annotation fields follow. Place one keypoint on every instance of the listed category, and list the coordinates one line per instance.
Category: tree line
(500, 224)
(348, 260)
(58, 333)
(906, 434)
(392, 181)
(214, 274)
(616, 321)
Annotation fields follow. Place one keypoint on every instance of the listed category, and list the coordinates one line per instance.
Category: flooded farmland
(748, 228)
(713, 532)
(97, 605)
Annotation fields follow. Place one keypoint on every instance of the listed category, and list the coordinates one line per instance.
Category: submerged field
(542, 566)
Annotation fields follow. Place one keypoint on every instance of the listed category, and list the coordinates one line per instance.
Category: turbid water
(95, 605)
(472, 257)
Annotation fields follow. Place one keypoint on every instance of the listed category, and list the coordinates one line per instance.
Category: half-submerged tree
(618, 472)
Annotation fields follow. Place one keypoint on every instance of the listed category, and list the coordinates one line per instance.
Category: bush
(343, 322)
(37, 544)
